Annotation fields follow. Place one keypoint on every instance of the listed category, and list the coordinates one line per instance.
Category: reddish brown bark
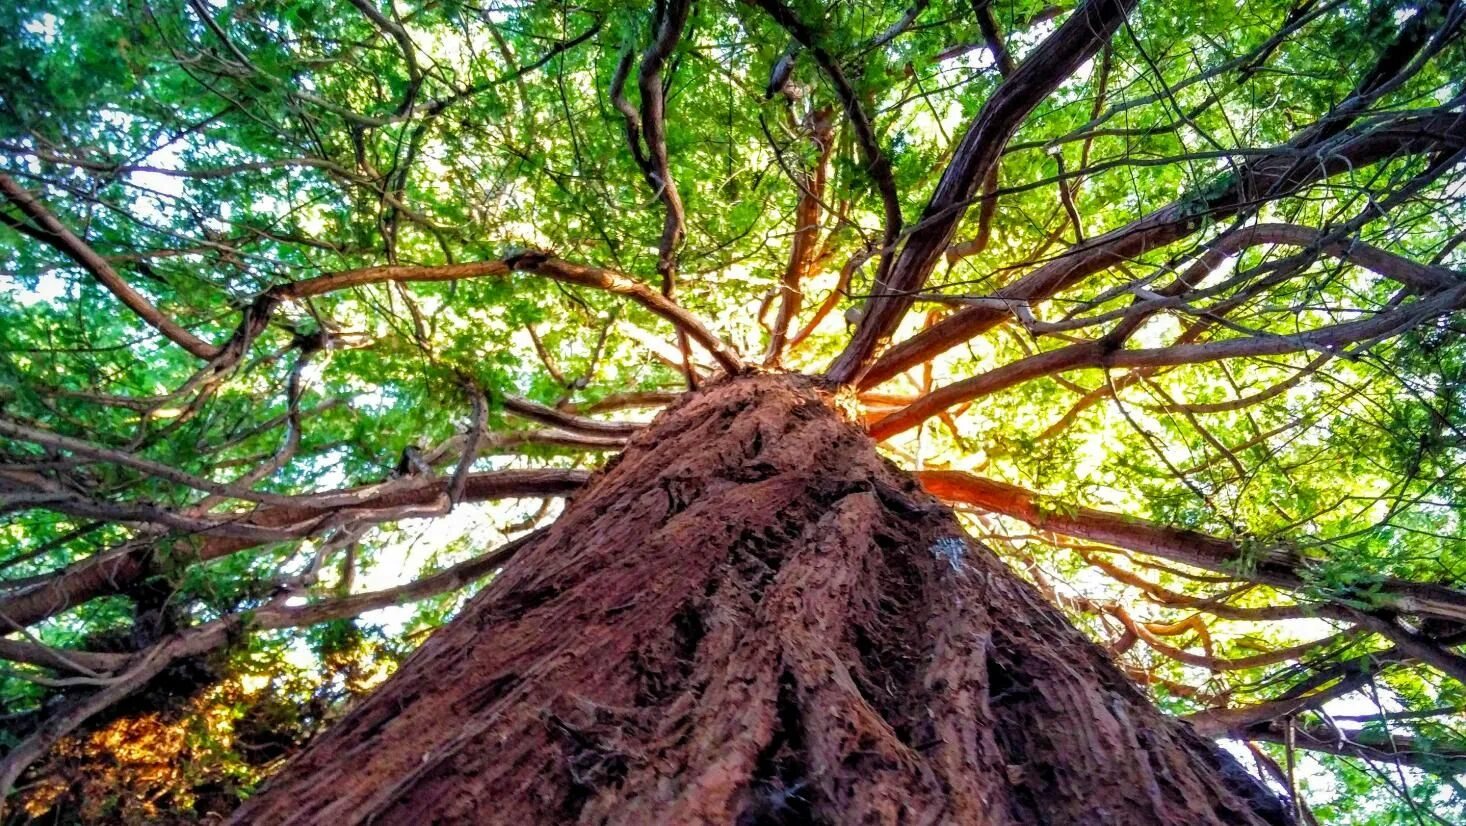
(751, 618)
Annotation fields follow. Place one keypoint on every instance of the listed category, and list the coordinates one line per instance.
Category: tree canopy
(310, 312)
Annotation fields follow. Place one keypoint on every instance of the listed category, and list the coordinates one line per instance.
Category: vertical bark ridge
(751, 618)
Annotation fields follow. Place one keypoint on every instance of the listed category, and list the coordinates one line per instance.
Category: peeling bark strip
(751, 618)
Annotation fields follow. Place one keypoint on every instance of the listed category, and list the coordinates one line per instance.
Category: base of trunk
(752, 618)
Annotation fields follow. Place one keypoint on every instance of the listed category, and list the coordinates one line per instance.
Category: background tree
(315, 312)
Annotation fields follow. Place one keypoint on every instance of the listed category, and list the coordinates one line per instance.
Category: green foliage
(215, 151)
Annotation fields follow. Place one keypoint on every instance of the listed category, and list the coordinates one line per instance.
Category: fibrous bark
(752, 618)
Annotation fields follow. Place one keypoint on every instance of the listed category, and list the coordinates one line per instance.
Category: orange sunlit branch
(1269, 567)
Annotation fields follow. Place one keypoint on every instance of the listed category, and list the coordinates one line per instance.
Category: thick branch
(48, 229)
(672, 19)
(878, 165)
(1275, 568)
(1419, 277)
(622, 401)
(218, 633)
(996, 47)
(1446, 759)
(1078, 39)
(539, 263)
(803, 252)
(1100, 354)
(568, 421)
(1275, 175)
(114, 573)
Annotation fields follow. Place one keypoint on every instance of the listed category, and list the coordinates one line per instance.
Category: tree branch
(111, 573)
(539, 263)
(45, 227)
(1279, 173)
(1079, 38)
(218, 633)
(1269, 567)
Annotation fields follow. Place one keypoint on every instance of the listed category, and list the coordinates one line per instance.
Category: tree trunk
(752, 618)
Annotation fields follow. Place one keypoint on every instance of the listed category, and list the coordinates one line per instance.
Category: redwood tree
(734, 412)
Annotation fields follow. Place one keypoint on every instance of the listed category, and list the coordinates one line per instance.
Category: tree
(923, 334)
